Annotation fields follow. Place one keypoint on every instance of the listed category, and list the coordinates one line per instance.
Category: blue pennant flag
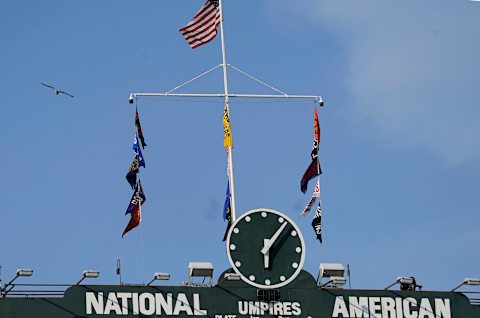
(138, 151)
(226, 206)
(136, 146)
(141, 162)
(227, 211)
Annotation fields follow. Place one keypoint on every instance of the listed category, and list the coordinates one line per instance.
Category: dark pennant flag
(203, 26)
(227, 211)
(312, 171)
(137, 198)
(132, 172)
(317, 222)
(139, 129)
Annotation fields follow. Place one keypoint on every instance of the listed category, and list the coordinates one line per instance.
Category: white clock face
(266, 248)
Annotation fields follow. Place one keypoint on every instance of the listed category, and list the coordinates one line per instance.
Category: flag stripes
(203, 27)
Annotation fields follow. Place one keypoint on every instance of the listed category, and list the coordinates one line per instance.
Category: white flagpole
(225, 86)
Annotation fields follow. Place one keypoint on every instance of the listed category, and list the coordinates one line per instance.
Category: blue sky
(400, 135)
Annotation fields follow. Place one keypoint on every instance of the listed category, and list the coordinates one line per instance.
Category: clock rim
(302, 254)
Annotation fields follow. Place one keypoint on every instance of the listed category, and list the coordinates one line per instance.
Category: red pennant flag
(135, 218)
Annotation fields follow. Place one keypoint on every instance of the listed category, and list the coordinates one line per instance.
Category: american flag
(203, 27)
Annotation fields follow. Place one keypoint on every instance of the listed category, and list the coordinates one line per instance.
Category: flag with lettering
(227, 133)
(138, 197)
(313, 169)
(132, 172)
(135, 219)
(227, 210)
(138, 151)
(135, 146)
(317, 222)
(316, 134)
(203, 26)
(315, 195)
(139, 129)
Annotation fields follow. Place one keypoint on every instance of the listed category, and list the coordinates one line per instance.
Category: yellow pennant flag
(227, 133)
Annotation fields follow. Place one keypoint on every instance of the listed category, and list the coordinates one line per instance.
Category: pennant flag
(132, 172)
(137, 198)
(135, 146)
(137, 151)
(314, 168)
(141, 162)
(139, 129)
(317, 222)
(135, 219)
(203, 26)
(315, 195)
(227, 133)
(316, 126)
(316, 134)
(227, 211)
(312, 171)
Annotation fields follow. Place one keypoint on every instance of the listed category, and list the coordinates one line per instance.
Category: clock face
(266, 248)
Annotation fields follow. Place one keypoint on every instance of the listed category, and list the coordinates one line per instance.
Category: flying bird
(57, 91)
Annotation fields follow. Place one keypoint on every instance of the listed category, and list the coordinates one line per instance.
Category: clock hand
(267, 246)
(266, 257)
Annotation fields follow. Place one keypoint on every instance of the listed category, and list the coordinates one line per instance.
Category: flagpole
(225, 87)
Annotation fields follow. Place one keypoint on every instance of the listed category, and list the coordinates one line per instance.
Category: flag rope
(195, 78)
(257, 80)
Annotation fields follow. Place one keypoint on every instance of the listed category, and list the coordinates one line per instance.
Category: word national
(121, 303)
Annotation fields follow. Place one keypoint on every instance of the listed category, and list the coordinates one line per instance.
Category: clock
(266, 248)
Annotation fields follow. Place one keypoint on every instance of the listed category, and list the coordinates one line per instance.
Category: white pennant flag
(315, 195)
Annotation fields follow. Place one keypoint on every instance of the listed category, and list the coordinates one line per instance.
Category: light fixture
(231, 276)
(468, 281)
(330, 270)
(403, 281)
(334, 282)
(159, 276)
(24, 272)
(88, 274)
(200, 269)
(20, 272)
